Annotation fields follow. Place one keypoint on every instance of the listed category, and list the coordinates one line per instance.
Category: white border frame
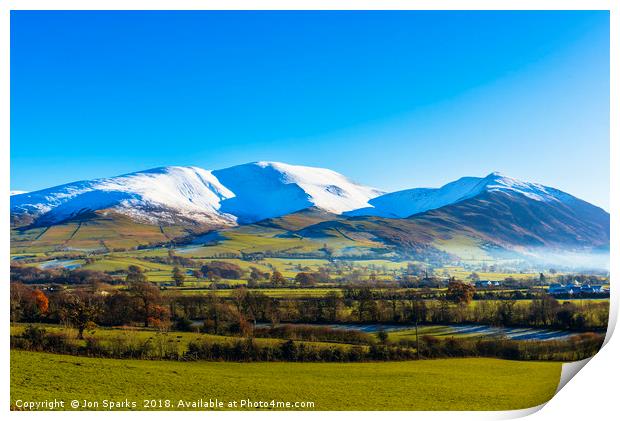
(567, 408)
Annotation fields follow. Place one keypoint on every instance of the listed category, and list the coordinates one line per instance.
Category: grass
(463, 384)
(252, 240)
(97, 232)
(435, 330)
(182, 339)
(465, 247)
(462, 273)
(110, 234)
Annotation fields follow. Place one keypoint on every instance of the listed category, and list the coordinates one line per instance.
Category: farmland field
(103, 233)
(457, 384)
(179, 340)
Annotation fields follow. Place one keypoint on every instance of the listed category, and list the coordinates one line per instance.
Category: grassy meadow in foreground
(457, 384)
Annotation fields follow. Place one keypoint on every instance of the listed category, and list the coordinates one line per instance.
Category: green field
(105, 232)
(180, 340)
(456, 384)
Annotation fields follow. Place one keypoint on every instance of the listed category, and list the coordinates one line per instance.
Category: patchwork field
(457, 384)
(103, 232)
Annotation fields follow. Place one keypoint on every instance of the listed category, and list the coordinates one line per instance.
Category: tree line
(247, 349)
(142, 303)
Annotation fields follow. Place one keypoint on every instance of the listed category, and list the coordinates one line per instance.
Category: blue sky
(391, 99)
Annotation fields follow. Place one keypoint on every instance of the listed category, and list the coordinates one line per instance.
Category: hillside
(194, 196)
(270, 207)
(510, 219)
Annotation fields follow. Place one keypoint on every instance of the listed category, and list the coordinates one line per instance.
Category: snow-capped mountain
(165, 194)
(494, 209)
(269, 189)
(405, 203)
(244, 193)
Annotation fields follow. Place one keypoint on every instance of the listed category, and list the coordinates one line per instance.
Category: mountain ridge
(405, 203)
(321, 203)
(166, 194)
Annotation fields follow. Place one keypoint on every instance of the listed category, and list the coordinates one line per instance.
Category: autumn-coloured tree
(79, 310)
(306, 279)
(117, 309)
(27, 304)
(160, 318)
(178, 276)
(41, 301)
(221, 270)
(135, 274)
(277, 278)
(460, 292)
(146, 297)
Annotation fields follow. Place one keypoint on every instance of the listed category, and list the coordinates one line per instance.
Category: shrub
(184, 325)
(217, 269)
(314, 334)
(34, 338)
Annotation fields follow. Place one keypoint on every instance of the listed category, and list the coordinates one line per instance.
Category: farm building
(487, 284)
(571, 289)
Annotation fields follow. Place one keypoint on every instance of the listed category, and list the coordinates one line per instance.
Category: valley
(266, 270)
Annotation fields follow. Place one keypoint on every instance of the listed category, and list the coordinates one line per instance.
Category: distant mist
(586, 260)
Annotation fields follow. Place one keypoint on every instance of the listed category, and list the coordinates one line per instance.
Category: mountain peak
(255, 191)
(409, 202)
(247, 193)
(495, 174)
(156, 195)
(268, 189)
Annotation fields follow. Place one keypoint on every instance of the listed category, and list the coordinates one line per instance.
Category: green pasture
(466, 248)
(180, 339)
(103, 232)
(455, 384)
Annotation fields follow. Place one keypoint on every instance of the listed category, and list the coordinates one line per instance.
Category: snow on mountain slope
(159, 195)
(252, 192)
(269, 189)
(246, 193)
(402, 204)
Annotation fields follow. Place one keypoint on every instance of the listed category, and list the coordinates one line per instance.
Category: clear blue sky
(391, 99)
